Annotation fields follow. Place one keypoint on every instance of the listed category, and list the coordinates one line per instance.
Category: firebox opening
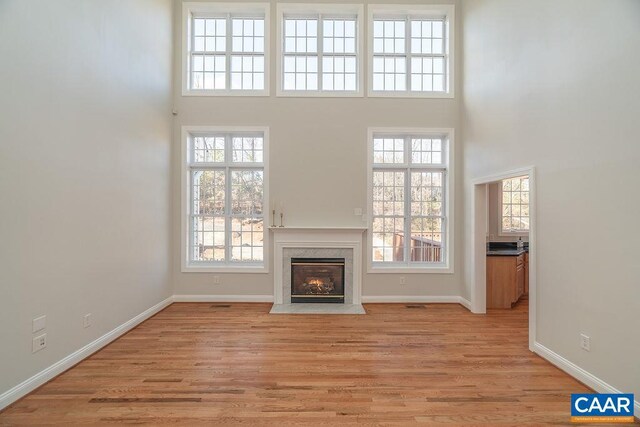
(317, 280)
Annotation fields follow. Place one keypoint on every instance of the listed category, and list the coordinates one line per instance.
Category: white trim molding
(578, 373)
(444, 299)
(316, 238)
(77, 356)
(223, 298)
(478, 245)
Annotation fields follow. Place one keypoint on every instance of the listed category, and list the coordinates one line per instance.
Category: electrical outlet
(86, 321)
(403, 280)
(39, 343)
(357, 211)
(39, 323)
(216, 280)
(585, 342)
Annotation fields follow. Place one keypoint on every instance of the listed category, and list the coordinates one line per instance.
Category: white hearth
(317, 242)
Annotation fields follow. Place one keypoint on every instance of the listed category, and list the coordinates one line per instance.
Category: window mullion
(320, 45)
(407, 50)
(227, 199)
(227, 74)
(407, 200)
(190, 242)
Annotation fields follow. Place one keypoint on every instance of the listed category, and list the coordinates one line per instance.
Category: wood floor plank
(234, 364)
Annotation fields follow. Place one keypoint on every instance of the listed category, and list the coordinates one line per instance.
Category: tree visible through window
(515, 205)
(409, 199)
(227, 198)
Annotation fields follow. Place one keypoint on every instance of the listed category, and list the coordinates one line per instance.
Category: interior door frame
(479, 214)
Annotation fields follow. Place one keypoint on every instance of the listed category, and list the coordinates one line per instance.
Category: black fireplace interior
(317, 280)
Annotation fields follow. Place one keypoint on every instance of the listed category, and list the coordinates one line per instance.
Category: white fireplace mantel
(317, 238)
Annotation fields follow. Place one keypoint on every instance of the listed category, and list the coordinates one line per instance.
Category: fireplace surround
(317, 242)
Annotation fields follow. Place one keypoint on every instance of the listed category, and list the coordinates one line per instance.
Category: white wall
(555, 84)
(318, 164)
(85, 130)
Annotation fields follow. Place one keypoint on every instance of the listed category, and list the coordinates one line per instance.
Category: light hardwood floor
(230, 364)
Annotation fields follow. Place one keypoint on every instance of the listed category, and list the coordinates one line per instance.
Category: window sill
(190, 92)
(318, 94)
(420, 95)
(249, 269)
(410, 270)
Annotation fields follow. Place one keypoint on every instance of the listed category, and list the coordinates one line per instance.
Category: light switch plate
(39, 323)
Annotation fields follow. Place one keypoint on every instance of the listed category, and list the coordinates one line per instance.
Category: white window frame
(313, 10)
(189, 9)
(414, 11)
(227, 267)
(447, 266)
(506, 233)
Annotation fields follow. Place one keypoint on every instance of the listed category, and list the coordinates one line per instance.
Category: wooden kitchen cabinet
(526, 273)
(506, 280)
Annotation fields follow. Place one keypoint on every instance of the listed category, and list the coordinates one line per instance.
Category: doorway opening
(503, 249)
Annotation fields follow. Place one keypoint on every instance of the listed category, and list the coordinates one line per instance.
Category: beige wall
(555, 84)
(317, 145)
(85, 129)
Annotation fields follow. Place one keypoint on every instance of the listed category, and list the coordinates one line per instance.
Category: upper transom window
(320, 50)
(226, 49)
(411, 51)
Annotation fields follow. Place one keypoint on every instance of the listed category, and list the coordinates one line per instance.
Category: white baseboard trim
(465, 303)
(577, 372)
(27, 386)
(449, 299)
(223, 298)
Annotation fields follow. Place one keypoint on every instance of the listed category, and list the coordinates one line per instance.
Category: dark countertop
(506, 252)
(506, 249)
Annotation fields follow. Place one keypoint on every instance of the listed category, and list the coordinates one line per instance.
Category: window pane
(247, 149)
(388, 239)
(206, 71)
(515, 204)
(247, 72)
(209, 35)
(388, 150)
(389, 73)
(388, 193)
(339, 73)
(339, 36)
(247, 237)
(427, 193)
(248, 35)
(207, 238)
(388, 36)
(301, 35)
(209, 149)
(426, 240)
(300, 72)
(246, 192)
(208, 192)
(426, 150)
